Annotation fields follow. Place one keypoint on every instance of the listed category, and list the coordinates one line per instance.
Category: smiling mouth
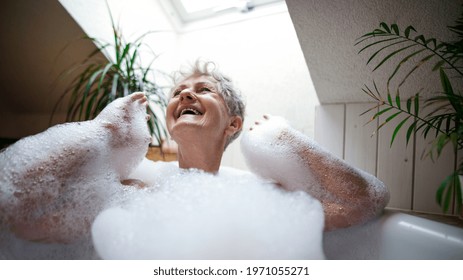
(190, 111)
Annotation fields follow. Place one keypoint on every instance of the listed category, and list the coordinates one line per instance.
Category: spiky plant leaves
(387, 44)
(102, 81)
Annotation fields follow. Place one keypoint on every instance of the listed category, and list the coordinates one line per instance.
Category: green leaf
(426, 130)
(396, 130)
(87, 90)
(448, 90)
(365, 37)
(90, 105)
(395, 28)
(399, 65)
(377, 42)
(458, 194)
(420, 38)
(438, 124)
(134, 56)
(409, 105)
(433, 41)
(103, 74)
(377, 91)
(383, 48)
(407, 31)
(392, 116)
(370, 35)
(444, 192)
(124, 54)
(391, 55)
(448, 124)
(102, 102)
(381, 112)
(410, 130)
(389, 119)
(448, 195)
(397, 100)
(385, 27)
(438, 65)
(417, 66)
(439, 46)
(369, 92)
(442, 141)
(389, 99)
(454, 140)
(370, 109)
(154, 124)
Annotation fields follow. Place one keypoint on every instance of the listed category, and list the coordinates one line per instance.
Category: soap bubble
(189, 214)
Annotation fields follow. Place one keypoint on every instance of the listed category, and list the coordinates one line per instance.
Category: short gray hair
(231, 95)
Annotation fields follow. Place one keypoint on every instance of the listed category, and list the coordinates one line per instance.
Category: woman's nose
(187, 95)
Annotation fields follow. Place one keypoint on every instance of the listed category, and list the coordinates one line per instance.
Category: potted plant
(444, 119)
(97, 82)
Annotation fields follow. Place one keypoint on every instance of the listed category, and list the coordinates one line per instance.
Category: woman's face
(196, 108)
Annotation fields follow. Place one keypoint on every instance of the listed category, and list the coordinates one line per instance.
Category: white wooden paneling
(412, 181)
(395, 164)
(329, 128)
(361, 141)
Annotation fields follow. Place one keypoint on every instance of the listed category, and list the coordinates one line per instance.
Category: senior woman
(206, 112)
(204, 115)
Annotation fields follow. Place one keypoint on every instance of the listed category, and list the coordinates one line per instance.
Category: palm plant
(98, 82)
(444, 117)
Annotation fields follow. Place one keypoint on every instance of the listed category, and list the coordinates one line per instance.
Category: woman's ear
(236, 123)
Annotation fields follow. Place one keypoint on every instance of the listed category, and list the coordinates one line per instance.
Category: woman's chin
(184, 127)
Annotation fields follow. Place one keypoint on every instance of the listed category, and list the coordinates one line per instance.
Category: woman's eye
(205, 89)
(177, 92)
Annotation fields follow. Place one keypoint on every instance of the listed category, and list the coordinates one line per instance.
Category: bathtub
(391, 236)
(395, 236)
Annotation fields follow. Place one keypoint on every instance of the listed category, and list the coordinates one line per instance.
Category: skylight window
(195, 10)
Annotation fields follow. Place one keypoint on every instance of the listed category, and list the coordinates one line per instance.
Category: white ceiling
(327, 31)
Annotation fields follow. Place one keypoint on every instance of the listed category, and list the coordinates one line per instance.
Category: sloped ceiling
(327, 31)
(33, 36)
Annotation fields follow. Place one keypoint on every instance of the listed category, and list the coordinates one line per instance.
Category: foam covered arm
(276, 151)
(53, 184)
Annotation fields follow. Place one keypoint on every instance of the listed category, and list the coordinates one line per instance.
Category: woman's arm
(349, 195)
